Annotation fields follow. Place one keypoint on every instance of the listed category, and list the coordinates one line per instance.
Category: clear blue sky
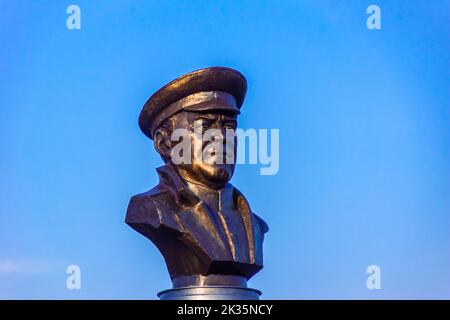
(364, 141)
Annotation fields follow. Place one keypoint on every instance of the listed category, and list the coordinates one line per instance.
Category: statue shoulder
(262, 224)
(143, 208)
(242, 202)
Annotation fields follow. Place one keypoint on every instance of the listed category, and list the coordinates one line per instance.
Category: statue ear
(162, 143)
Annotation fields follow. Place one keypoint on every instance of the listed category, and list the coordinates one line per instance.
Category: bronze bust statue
(202, 225)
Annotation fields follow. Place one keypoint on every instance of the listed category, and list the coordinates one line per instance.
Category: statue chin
(213, 175)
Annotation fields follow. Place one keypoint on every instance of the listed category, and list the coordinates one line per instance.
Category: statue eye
(230, 125)
(204, 124)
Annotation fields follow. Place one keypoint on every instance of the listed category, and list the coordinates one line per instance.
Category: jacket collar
(192, 193)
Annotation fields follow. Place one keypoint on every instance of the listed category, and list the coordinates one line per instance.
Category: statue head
(192, 121)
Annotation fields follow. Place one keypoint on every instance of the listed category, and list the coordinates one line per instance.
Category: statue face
(213, 170)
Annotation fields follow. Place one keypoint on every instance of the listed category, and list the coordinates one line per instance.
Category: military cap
(213, 88)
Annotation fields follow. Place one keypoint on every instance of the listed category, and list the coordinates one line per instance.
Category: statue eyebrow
(205, 117)
(233, 121)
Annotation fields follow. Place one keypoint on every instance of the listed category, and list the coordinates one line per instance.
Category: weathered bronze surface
(202, 225)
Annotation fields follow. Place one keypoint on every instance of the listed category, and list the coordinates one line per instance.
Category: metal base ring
(210, 293)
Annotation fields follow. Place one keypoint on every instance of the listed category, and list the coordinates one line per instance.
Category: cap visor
(211, 106)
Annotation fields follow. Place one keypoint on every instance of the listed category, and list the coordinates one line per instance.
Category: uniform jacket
(199, 230)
